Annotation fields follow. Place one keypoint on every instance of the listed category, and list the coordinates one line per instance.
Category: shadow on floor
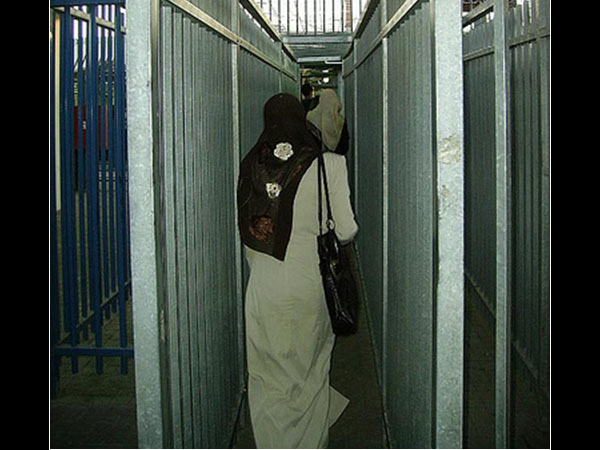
(94, 411)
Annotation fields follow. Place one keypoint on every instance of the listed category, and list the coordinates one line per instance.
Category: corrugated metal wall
(194, 183)
(369, 188)
(213, 66)
(412, 228)
(407, 186)
(527, 26)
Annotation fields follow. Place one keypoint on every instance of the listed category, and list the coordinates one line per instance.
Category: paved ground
(98, 411)
(94, 411)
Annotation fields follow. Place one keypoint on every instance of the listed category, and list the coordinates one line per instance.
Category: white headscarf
(328, 118)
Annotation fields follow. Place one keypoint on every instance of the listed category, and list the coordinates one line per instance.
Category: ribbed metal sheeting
(204, 373)
(258, 82)
(211, 84)
(528, 34)
(369, 196)
(408, 154)
(480, 162)
(410, 313)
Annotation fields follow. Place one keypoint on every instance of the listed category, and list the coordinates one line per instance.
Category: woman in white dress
(288, 333)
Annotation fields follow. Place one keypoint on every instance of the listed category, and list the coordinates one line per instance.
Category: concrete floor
(98, 411)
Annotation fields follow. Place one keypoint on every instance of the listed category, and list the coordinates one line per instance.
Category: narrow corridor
(447, 107)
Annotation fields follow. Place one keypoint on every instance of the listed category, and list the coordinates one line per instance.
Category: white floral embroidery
(283, 151)
(273, 190)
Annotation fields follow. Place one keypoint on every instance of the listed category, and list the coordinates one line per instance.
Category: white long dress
(288, 333)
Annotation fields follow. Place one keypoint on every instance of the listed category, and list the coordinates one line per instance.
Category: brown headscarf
(270, 174)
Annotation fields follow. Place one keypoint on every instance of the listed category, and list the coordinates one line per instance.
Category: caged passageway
(447, 103)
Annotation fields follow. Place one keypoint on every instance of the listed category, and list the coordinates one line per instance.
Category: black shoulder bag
(340, 281)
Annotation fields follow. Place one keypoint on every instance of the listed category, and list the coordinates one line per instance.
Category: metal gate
(89, 245)
(507, 193)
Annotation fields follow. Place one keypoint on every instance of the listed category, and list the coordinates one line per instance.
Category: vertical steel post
(141, 49)
(68, 223)
(54, 293)
(385, 202)
(503, 224)
(93, 181)
(121, 185)
(236, 159)
(448, 278)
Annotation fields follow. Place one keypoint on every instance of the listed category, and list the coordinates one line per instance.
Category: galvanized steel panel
(524, 187)
(198, 186)
(219, 10)
(258, 82)
(257, 37)
(480, 173)
(528, 37)
(409, 356)
(369, 201)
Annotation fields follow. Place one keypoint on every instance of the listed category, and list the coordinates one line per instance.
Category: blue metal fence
(89, 245)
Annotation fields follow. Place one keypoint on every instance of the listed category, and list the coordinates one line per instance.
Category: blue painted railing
(89, 244)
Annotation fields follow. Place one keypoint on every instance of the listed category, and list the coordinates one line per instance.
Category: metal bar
(503, 225)
(81, 174)
(112, 132)
(93, 197)
(448, 256)
(68, 226)
(385, 211)
(82, 15)
(102, 174)
(513, 42)
(544, 112)
(86, 321)
(54, 292)
(142, 50)
(306, 16)
(478, 12)
(167, 217)
(93, 351)
(59, 3)
(236, 140)
(121, 188)
(333, 16)
(180, 229)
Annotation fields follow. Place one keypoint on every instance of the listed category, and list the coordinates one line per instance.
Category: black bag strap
(322, 174)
